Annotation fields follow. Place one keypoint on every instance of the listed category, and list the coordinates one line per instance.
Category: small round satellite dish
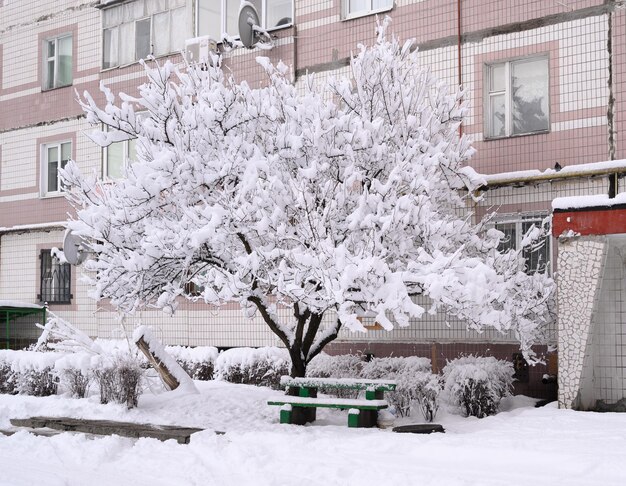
(248, 18)
(73, 248)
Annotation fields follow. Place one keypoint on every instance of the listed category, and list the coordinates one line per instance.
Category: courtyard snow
(520, 445)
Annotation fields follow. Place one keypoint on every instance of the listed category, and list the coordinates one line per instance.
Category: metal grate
(56, 278)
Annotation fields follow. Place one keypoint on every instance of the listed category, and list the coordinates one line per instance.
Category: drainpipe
(610, 115)
(459, 45)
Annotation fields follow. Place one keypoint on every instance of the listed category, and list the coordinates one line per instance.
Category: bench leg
(362, 418)
(285, 415)
(303, 415)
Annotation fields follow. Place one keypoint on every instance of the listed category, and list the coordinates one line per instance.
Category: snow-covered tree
(332, 200)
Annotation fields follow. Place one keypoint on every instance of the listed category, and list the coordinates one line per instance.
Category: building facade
(545, 82)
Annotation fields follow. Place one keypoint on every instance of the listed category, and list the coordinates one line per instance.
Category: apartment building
(545, 81)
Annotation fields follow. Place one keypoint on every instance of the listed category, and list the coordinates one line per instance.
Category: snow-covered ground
(521, 445)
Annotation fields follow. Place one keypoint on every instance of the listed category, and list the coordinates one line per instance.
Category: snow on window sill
(515, 135)
(365, 13)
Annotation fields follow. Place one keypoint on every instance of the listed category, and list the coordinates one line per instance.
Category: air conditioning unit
(200, 49)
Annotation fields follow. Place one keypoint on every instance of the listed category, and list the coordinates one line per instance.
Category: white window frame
(346, 14)
(262, 15)
(46, 59)
(134, 21)
(126, 160)
(518, 220)
(508, 96)
(44, 167)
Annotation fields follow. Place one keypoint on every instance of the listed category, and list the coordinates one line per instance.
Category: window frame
(45, 59)
(63, 295)
(126, 160)
(223, 19)
(44, 162)
(508, 96)
(117, 28)
(347, 15)
(518, 220)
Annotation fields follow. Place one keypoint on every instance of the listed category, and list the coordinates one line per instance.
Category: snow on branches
(332, 200)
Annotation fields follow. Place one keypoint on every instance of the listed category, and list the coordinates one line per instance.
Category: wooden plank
(107, 427)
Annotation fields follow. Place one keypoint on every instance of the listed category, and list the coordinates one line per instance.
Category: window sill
(46, 90)
(366, 13)
(122, 66)
(52, 195)
(517, 135)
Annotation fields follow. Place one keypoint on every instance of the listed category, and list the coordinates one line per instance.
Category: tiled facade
(584, 42)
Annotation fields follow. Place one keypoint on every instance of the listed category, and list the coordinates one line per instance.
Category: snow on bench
(350, 383)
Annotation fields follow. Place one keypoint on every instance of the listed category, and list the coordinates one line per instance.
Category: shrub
(389, 368)
(120, 382)
(477, 384)
(253, 366)
(198, 362)
(8, 378)
(76, 381)
(339, 366)
(415, 383)
(38, 383)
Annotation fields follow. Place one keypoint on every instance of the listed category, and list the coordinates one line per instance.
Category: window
(517, 97)
(538, 257)
(54, 156)
(135, 30)
(55, 284)
(57, 59)
(118, 157)
(355, 8)
(215, 17)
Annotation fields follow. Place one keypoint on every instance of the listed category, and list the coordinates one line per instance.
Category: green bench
(300, 405)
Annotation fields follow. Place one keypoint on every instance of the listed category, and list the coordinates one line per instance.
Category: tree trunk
(298, 365)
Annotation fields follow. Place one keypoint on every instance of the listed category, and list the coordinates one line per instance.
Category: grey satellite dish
(250, 31)
(73, 248)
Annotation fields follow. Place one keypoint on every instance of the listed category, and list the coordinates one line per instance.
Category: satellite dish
(250, 31)
(74, 248)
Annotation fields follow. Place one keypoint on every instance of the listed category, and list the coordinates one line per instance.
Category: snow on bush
(416, 383)
(76, 381)
(338, 366)
(198, 362)
(28, 372)
(253, 366)
(120, 382)
(477, 384)
(391, 367)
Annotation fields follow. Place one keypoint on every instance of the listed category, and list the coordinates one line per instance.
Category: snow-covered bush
(198, 362)
(416, 383)
(8, 378)
(37, 382)
(477, 384)
(120, 382)
(391, 367)
(253, 366)
(428, 397)
(338, 366)
(76, 381)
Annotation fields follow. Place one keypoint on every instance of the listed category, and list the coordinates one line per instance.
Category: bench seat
(345, 383)
(341, 403)
(300, 410)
